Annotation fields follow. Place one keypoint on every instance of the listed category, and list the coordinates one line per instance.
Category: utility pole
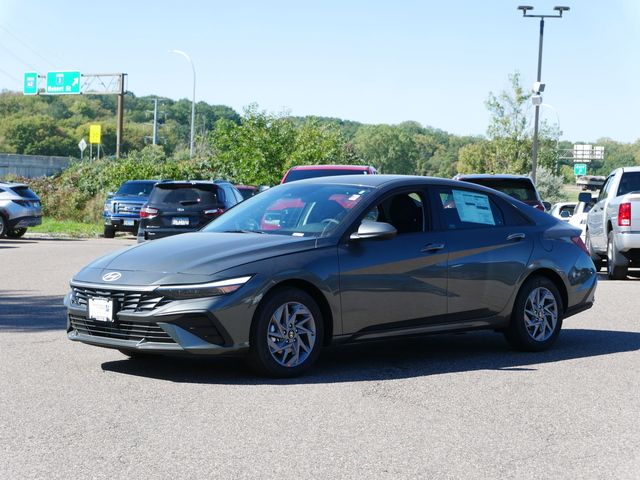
(120, 115)
(155, 122)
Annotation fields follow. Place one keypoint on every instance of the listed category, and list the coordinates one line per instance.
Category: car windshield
(138, 189)
(308, 210)
(522, 190)
(185, 195)
(294, 175)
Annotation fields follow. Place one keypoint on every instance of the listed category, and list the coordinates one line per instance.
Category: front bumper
(168, 327)
(123, 224)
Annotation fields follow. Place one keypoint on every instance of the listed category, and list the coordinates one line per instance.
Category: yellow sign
(94, 134)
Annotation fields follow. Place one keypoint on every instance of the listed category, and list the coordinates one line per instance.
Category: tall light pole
(539, 87)
(193, 100)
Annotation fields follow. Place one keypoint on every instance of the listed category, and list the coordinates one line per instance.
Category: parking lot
(451, 406)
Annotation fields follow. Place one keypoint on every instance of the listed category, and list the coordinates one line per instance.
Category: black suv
(184, 206)
(519, 187)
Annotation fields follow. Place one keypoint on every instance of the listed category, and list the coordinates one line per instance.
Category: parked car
(519, 187)
(302, 172)
(355, 258)
(184, 206)
(20, 208)
(579, 217)
(122, 208)
(563, 210)
(247, 191)
(613, 224)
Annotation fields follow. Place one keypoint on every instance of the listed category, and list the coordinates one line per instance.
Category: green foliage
(549, 185)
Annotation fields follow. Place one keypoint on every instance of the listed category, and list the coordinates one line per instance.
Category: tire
(536, 319)
(617, 265)
(16, 232)
(109, 232)
(597, 259)
(286, 334)
(3, 226)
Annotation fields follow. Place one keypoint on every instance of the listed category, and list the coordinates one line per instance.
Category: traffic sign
(579, 169)
(94, 134)
(63, 83)
(30, 86)
(82, 145)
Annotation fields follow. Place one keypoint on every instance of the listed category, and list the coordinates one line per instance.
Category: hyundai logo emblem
(111, 276)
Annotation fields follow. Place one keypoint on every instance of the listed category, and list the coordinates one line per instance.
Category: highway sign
(30, 86)
(579, 169)
(63, 83)
(94, 134)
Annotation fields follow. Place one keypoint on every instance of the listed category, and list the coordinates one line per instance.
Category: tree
(388, 148)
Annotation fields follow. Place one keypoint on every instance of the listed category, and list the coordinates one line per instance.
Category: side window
(605, 189)
(467, 209)
(405, 211)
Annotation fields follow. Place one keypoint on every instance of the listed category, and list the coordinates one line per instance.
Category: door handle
(432, 247)
(516, 236)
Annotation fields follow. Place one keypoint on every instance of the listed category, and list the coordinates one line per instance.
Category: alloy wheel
(291, 334)
(540, 314)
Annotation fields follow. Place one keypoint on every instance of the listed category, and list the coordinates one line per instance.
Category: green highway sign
(30, 86)
(63, 83)
(579, 169)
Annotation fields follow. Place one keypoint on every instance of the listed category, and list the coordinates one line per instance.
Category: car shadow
(631, 275)
(19, 312)
(390, 360)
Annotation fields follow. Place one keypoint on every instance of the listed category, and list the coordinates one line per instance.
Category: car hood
(198, 255)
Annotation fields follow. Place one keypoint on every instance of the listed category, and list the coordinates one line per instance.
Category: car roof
(142, 181)
(332, 167)
(505, 176)
(376, 181)
(12, 184)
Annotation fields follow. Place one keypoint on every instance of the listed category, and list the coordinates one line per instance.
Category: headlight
(198, 290)
(108, 207)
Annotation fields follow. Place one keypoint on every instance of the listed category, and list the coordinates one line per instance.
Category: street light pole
(525, 9)
(193, 99)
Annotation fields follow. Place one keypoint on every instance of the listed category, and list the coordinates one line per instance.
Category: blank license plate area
(180, 221)
(101, 309)
(129, 222)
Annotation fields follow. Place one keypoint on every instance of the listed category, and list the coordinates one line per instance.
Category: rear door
(596, 218)
(489, 244)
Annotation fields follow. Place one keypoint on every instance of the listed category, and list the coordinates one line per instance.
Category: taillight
(214, 211)
(580, 244)
(148, 212)
(624, 215)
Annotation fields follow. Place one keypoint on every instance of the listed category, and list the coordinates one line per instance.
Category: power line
(26, 45)
(19, 82)
(18, 58)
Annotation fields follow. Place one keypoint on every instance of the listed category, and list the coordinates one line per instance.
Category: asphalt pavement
(451, 406)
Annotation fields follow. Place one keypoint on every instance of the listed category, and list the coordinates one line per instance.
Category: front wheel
(617, 265)
(16, 232)
(109, 232)
(3, 226)
(286, 334)
(536, 319)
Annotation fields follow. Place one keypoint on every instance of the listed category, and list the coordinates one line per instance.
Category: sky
(371, 61)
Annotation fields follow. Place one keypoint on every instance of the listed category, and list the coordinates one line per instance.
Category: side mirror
(565, 214)
(375, 231)
(584, 197)
(547, 206)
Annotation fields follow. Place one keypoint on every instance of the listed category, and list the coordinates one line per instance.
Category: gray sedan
(338, 259)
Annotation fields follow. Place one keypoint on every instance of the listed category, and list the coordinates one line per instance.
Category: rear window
(630, 182)
(25, 192)
(142, 189)
(184, 195)
(294, 175)
(520, 189)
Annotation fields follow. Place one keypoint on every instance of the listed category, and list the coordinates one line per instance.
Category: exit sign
(30, 85)
(63, 83)
(579, 169)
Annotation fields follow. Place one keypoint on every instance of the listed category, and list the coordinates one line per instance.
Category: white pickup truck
(613, 224)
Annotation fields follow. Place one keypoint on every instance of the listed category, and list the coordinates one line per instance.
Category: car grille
(126, 207)
(127, 301)
(120, 330)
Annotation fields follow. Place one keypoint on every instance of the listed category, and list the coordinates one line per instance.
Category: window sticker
(473, 207)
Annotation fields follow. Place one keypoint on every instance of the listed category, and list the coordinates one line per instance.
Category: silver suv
(19, 208)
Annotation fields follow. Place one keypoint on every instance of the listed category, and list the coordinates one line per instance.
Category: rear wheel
(16, 232)
(617, 264)
(597, 259)
(286, 334)
(109, 232)
(536, 319)
(3, 226)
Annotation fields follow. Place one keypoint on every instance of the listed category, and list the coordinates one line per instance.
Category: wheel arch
(554, 278)
(313, 291)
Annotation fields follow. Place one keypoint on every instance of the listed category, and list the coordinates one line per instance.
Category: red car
(302, 172)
